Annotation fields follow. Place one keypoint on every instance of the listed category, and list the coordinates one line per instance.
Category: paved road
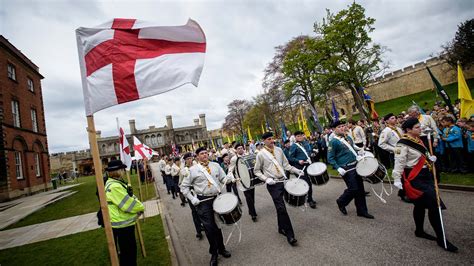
(325, 236)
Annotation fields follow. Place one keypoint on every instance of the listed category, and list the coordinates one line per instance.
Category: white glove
(358, 157)
(195, 201)
(432, 158)
(270, 181)
(361, 152)
(301, 173)
(341, 171)
(398, 184)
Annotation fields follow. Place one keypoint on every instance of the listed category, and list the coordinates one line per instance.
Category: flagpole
(146, 176)
(139, 229)
(101, 190)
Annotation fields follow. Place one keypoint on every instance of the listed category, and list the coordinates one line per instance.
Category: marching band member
(204, 178)
(225, 166)
(389, 137)
(270, 167)
(412, 166)
(169, 180)
(161, 166)
(299, 158)
(249, 193)
(357, 133)
(188, 162)
(343, 157)
(175, 169)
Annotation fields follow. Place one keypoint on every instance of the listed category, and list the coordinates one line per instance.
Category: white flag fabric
(142, 151)
(125, 155)
(126, 59)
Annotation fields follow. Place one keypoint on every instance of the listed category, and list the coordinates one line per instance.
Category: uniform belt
(350, 164)
(201, 197)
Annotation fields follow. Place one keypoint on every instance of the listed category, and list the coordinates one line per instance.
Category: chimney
(133, 129)
(97, 134)
(202, 118)
(169, 122)
(196, 122)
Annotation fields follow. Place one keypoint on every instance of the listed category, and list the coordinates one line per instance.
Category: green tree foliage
(354, 58)
(461, 48)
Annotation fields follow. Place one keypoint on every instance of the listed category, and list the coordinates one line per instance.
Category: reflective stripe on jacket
(123, 208)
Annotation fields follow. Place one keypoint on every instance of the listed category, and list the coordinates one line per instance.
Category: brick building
(24, 160)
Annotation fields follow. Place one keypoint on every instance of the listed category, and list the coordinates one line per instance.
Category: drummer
(389, 137)
(249, 193)
(299, 158)
(270, 167)
(412, 166)
(204, 178)
(343, 157)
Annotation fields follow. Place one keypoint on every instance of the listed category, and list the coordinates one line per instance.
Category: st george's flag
(125, 155)
(142, 151)
(125, 60)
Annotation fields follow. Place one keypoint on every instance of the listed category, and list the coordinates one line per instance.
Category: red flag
(125, 155)
(127, 59)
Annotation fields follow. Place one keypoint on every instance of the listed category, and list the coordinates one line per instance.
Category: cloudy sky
(241, 36)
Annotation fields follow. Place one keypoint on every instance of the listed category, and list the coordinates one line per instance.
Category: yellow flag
(228, 139)
(233, 136)
(467, 104)
(263, 129)
(299, 124)
(304, 124)
(248, 133)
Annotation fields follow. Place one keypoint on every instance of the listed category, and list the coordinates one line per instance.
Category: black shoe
(281, 231)
(423, 234)
(449, 247)
(366, 215)
(225, 253)
(213, 260)
(168, 192)
(199, 236)
(292, 241)
(254, 218)
(341, 208)
(406, 199)
(312, 204)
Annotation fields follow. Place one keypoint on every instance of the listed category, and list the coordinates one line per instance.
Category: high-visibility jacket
(123, 208)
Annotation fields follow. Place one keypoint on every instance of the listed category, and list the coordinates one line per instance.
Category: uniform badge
(398, 151)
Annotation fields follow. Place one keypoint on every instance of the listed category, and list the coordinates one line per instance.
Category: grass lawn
(88, 248)
(82, 202)
(446, 178)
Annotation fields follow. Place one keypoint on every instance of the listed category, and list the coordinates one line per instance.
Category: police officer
(188, 162)
(343, 157)
(249, 193)
(204, 178)
(412, 166)
(270, 166)
(299, 158)
(124, 210)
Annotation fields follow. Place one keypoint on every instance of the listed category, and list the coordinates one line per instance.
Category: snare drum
(244, 170)
(318, 173)
(226, 206)
(371, 170)
(296, 191)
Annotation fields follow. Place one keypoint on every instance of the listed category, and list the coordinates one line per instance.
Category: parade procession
(303, 108)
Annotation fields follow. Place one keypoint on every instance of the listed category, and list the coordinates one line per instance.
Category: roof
(10, 47)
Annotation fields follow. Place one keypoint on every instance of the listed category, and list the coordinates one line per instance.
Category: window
(18, 166)
(31, 86)
(16, 113)
(37, 165)
(343, 112)
(34, 121)
(11, 71)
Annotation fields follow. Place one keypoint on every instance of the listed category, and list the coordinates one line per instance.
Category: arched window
(147, 140)
(153, 140)
(160, 139)
(343, 112)
(104, 148)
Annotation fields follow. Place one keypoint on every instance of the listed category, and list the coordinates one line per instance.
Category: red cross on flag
(142, 151)
(125, 155)
(127, 59)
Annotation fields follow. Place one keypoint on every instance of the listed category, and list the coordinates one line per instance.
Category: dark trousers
(355, 190)
(324, 155)
(250, 198)
(456, 162)
(163, 176)
(168, 182)
(233, 187)
(196, 221)
(213, 233)
(284, 223)
(125, 240)
(142, 176)
(433, 216)
(305, 177)
(175, 181)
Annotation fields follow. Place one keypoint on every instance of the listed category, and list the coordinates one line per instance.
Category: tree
(461, 48)
(354, 58)
(298, 68)
(234, 120)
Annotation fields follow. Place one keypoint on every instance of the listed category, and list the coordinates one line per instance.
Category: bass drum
(226, 206)
(318, 173)
(244, 170)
